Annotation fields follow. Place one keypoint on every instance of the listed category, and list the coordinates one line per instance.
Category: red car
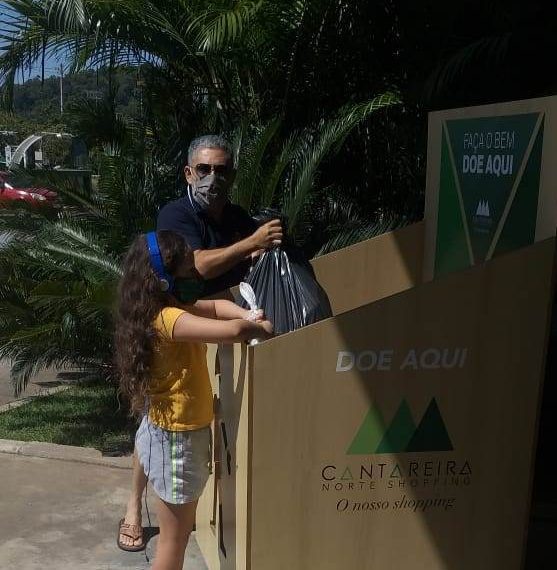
(36, 196)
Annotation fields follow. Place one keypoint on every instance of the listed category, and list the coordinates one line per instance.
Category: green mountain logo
(402, 435)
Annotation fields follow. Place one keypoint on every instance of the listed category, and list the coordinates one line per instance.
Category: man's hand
(211, 263)
(267, 236)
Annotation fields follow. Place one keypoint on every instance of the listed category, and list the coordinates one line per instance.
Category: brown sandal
(133, 531)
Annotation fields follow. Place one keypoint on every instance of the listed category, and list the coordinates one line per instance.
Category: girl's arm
(193, 328)
(219, 309)
(227, 310)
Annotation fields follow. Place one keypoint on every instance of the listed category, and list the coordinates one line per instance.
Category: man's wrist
(249, 245)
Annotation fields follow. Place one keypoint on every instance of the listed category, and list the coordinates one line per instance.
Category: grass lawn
(87, 416)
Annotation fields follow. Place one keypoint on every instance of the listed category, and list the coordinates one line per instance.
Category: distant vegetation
(37, 106)
(39, 101)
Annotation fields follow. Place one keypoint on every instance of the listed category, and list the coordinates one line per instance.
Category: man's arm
(211, 263)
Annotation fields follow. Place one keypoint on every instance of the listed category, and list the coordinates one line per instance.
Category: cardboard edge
(551, 307)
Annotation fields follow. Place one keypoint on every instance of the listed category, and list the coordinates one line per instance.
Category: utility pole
(61, 90)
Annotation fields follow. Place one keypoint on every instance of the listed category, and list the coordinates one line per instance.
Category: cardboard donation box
(399, 433)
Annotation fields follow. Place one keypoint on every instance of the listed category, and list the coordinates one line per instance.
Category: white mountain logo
(483, 209)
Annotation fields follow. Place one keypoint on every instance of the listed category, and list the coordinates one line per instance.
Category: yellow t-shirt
(180, 395)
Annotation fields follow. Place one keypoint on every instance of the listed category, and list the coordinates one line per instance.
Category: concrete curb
(63, 453)
(27, 400)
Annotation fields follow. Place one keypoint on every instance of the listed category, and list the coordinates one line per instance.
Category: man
(222, 235)
(224, 238)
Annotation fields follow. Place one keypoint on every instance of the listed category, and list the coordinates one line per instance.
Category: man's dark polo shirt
(202, 232)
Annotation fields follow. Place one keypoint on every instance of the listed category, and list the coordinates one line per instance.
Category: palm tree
(284, 176)
(205, 66)
(59, 267)
(55, 292)
(217, 52)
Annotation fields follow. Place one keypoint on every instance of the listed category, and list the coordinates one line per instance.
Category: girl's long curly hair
(140, 299)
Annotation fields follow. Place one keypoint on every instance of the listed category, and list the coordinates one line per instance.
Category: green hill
(40, 101)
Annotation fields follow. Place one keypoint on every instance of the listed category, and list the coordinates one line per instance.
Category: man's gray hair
(209, 141)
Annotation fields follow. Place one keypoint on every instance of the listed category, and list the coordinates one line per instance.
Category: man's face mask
(211, 191)
(188, 290)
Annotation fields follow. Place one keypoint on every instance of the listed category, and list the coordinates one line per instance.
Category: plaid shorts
(177, 463)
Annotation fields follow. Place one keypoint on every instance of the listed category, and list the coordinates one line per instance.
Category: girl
(161, 329)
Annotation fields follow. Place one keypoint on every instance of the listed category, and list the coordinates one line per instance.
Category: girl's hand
(254, 316)
(267, 328)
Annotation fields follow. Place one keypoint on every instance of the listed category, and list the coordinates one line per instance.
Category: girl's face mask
(188, 290)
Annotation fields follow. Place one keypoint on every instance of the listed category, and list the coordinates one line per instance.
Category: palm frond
(489, 49)
(216, 27)
(353, 233)
(249, 179)
(67, 14)
(274, 175)
(313, 147)
(112, 267)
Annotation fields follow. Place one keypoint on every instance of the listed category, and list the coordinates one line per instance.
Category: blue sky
(52, 64)
(52, 67)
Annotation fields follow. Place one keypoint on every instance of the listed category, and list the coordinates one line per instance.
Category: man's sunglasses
(203, 170)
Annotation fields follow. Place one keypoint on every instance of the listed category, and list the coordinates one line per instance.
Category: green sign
(489, 186)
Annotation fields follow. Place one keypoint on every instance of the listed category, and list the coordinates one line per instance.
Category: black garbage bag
(285, 286)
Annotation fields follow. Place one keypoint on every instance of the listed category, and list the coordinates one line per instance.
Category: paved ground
(60, 515)
(43, 381)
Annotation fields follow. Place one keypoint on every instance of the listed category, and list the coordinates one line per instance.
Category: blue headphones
(167, 281)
